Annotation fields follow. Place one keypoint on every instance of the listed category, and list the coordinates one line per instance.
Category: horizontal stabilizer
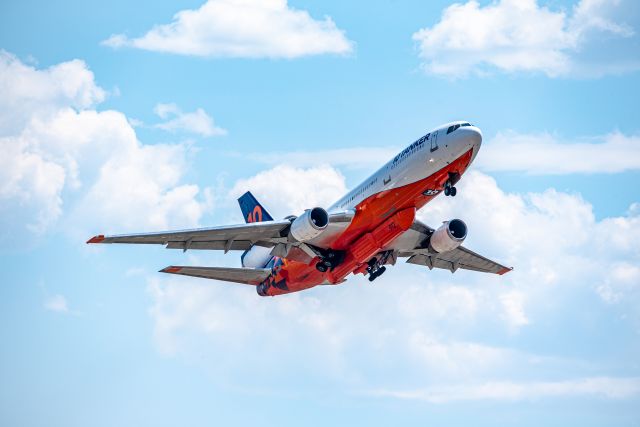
(247, 276)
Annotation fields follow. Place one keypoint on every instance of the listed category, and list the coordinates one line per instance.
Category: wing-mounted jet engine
(448, 236)
(310, 224)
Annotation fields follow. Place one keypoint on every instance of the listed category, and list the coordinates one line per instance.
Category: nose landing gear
(449, 189)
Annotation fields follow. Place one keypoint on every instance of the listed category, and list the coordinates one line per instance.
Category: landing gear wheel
(321, 267)
(447, 190)
(374, 274)
(453, 191)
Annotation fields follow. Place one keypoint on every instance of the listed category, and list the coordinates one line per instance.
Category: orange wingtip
(170, 269)
(96, 239)
(505, 270)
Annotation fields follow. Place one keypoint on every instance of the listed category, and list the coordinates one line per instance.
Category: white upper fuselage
(419, 160)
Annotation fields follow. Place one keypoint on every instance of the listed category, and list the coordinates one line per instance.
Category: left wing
(245, 275)
(230, 237)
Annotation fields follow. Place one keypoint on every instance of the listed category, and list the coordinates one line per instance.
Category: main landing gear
(329, 260)
(376, 267)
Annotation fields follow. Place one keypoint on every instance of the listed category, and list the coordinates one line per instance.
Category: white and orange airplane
(371, 226)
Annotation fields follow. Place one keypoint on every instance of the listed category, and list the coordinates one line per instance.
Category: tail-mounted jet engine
(449, 236)
(310, 224)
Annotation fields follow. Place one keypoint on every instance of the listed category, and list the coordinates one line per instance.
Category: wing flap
(245, 275)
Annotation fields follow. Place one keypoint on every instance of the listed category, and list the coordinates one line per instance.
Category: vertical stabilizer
(252, 210)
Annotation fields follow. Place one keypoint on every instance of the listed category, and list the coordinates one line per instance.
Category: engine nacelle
(256, 257)
(310, 224)
(449, 236)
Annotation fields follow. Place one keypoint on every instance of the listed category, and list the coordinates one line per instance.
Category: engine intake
(449, 236)
(310, 224)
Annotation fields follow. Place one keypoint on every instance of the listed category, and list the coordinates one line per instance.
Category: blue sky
(122, 117)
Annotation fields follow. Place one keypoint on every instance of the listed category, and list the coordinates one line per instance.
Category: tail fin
(252, 210)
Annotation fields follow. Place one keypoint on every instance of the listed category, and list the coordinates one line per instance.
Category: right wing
(245, 275)
(228, 237)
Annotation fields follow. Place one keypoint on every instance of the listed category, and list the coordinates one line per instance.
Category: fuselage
(383, 206)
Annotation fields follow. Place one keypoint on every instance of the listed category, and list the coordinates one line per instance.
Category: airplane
(370, 227)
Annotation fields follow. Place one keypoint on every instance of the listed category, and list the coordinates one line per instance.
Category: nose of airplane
(464, 139)
(470, 137)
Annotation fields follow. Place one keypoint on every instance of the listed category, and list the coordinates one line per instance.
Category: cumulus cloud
(60, 154)
(593, 39)
(546, 154)
(289, 191)
(26, 90)
(242, 29)
(416, 323)
(197, 122)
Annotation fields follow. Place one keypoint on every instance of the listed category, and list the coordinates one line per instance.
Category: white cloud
(546, 154)
(57, 303)
(623, 282)
(604, 387)
(62, 155)
(286, 190)
(514, 313)
(242, 28)
(197, 122)
(25, 90)
(520, 35)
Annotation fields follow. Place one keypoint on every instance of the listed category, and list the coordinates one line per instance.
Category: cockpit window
(455, 127)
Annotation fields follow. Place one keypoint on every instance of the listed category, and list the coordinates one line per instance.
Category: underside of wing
(460, 257)
(414, 245)
(230, 237)
(247, 276)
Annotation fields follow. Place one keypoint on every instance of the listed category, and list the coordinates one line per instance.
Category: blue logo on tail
(252, 210)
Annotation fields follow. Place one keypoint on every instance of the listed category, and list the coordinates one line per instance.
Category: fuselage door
(434, 141)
